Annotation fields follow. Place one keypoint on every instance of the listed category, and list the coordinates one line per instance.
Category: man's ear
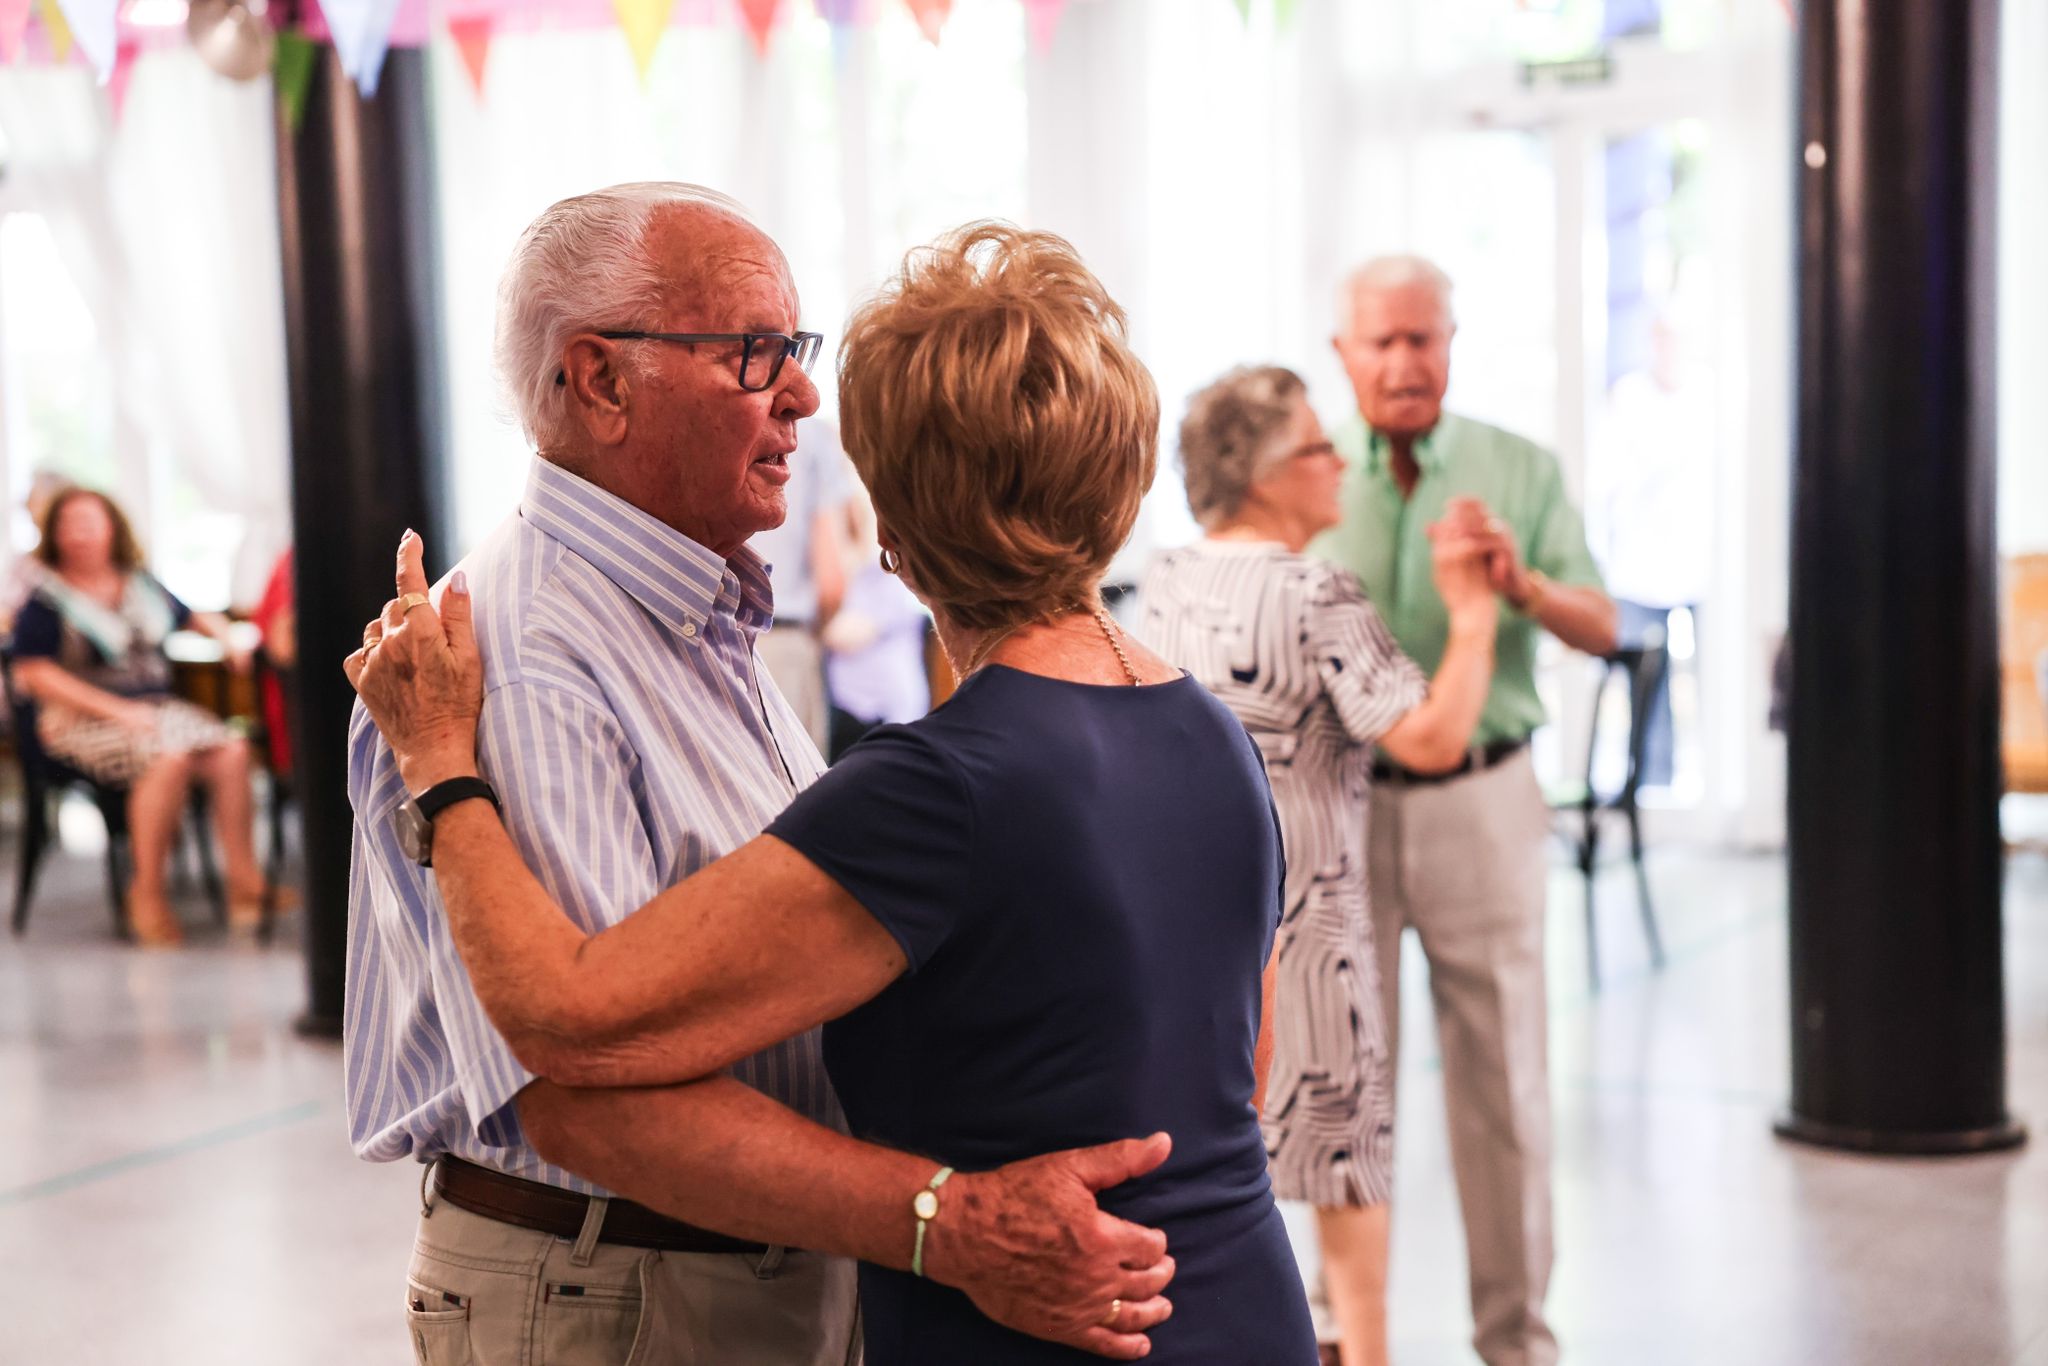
(598, 391)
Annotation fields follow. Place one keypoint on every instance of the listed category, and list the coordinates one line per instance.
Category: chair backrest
(1642, 666)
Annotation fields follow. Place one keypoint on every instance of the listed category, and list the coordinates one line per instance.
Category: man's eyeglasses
(761, 353)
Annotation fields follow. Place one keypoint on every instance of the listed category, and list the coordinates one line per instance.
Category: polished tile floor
(174, 1184)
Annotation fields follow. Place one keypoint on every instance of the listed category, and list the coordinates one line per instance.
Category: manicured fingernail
(410, 535)
(460, 583)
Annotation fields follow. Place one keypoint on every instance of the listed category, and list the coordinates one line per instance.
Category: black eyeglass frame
(804, 346)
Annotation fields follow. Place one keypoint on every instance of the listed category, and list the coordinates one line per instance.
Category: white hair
(582, 265)
(1393, 272)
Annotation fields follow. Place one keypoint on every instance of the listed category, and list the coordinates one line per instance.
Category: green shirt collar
(1428, 456)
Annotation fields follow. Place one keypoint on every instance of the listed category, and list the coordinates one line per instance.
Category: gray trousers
(485, 1293)
(1462, 863)
(796, 661)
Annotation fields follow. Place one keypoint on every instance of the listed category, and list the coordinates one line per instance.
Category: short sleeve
(37, 630)
(1557, 535)
(893, 823)
(1366, 675)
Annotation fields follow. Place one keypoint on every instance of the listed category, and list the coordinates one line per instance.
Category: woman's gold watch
(925, 1205)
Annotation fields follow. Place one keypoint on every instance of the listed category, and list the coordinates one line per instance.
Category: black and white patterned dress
(1292, 646)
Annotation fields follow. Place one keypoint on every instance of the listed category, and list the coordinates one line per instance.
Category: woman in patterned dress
(88, 646)
(1291, 644)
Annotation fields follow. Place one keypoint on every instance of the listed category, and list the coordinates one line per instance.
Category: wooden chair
(2022, 643)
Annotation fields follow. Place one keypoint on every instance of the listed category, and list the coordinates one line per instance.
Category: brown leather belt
(1477, 760)
(548, 1209)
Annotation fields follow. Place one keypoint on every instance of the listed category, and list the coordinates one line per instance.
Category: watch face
(926, 1205)
(415, 834)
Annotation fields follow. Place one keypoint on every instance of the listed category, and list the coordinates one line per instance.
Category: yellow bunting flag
(59, 31)
(643, 21)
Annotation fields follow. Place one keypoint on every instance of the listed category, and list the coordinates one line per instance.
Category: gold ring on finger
(412, 600)
(1116, 1309)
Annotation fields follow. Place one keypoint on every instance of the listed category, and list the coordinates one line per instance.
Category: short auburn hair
(1005, 429)
(127, 552)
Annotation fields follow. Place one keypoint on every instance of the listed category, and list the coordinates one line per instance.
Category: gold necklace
(987, 645)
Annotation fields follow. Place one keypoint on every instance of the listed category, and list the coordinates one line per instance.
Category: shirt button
(690, 630)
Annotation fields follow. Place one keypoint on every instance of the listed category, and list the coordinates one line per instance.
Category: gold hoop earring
(891, 561)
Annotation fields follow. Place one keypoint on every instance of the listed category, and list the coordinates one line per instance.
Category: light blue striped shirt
(632, 738)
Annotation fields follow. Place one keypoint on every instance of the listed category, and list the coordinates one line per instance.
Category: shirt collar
(679, 581)
(1428, 456)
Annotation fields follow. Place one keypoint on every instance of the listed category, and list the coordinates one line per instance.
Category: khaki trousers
(1462, 863)
(485, 1293)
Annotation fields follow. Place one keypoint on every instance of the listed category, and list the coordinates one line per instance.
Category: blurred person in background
(875, 644)
(1292, 645)
(29, 570)
(276, 616)
(806, 558)
(1459, 856)
(88, 646)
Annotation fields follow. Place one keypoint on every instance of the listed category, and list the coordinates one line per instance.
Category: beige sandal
(155, 928)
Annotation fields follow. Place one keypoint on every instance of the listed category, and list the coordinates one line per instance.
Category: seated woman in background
(1037, 918)
(1293, 647)
(88, 646)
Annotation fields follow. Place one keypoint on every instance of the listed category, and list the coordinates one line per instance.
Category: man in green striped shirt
(1460, 857)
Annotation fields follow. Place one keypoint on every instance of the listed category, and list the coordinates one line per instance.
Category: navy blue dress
(1086, 883)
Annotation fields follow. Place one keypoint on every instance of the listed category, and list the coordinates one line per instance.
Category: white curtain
(166, 222)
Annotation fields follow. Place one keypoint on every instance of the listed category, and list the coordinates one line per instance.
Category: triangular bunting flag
(840, 13)
(117, 82)
(1283, 13)
(931, 16)
(92, 24)
(361, 30)
(1244, 9)
(291, 71)
(13, 24)
(58, 32)
(643, 22)
(472, 35)
(760, 20)
(1043, 17)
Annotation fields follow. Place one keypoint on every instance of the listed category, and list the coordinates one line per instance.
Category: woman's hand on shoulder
(421, 676)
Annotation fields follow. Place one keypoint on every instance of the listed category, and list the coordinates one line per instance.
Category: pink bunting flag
(13, 24)
(931, 16)
(1043, 16)
(117, 81)
(472, 35)
(760, 20)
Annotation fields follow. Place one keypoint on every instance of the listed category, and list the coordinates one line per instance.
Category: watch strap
(443, 795)
(926, 1208)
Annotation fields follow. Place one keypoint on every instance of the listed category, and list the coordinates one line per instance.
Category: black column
(355, 204)
(1898, 1007)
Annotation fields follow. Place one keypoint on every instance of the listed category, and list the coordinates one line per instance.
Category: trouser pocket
(437, 1321)
(585, 1324)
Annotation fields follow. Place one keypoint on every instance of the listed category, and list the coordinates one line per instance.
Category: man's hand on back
(1029, 1245)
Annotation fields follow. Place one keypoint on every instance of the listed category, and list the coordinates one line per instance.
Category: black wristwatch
(416, 814)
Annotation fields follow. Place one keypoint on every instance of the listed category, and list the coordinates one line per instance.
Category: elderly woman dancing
(1293, 647)
(1037, 918)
